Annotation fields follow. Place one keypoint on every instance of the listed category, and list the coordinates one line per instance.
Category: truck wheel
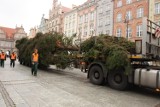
(96, 75)
(118, 80)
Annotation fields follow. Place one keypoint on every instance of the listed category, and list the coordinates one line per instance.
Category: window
(81, 19)
(70, 17)
(139, 30)
(85, 31)
(100, 23)
(80, 31)
(108, 7)
(128, 15)
(86, 18)
(119, 17)
(100, 32)
(139, 12)
(101, 10)
(56, 29)
(158, 23)
(92, 16)
(128, 32)
(73, 16)
(108, 20)
(52, 23)
(73, 31)
(107, 12)
(157, 8)
(119, 3)
(107, 32)
(69, 33)
(118, 34)
(73, 23)
(128, 1)
(91, 30)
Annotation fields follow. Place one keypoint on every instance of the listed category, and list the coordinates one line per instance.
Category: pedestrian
(0, 58)
(35, 57)
(3, 58)
(13, 59)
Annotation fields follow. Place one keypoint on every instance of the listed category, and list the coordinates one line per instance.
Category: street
(69, 88)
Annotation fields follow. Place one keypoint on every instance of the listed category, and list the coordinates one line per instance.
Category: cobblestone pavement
(69, 88)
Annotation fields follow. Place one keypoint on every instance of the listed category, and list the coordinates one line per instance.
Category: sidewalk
(19, 89)
(24, 90)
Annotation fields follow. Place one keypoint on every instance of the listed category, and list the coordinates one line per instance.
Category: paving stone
(69, 88)
(2, 103)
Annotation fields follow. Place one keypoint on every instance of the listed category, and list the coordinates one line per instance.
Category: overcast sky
(27, 12)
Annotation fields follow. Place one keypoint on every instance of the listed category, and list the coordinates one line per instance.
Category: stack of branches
(53, 49)
(112, 51)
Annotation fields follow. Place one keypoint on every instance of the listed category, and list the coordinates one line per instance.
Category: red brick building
(128, 15)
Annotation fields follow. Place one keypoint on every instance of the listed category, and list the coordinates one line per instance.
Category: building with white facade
(104, 17)
(70, 22)
(32, 33)
(43, 25)
(87, 19)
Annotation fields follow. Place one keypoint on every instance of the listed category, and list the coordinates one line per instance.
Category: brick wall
(134, 21)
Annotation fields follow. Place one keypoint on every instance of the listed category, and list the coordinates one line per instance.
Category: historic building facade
(157, 11)
(56, 17)
(104, 17)
(8, 37)
(70, 22)
(43, 25)
(154, 11)
(33, 32)
(128, 15)
(87, 19)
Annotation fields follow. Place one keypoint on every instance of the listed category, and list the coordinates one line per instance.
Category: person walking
(35, 57)
(3, 58)
(13, 59)
(0, 57)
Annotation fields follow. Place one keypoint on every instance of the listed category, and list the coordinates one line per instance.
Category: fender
(104, 69)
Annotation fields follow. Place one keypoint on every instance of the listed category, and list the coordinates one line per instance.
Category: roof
(9, 31)
(65, 9)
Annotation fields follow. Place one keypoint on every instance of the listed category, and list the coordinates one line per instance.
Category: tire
(96, 75)
(118, 80)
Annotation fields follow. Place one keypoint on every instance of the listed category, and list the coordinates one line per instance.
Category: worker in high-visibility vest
(35, 57)
(13, 59)
(3, 58)
(0, 57)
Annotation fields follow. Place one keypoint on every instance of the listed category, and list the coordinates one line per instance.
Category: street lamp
(79, 41)
(127, 23)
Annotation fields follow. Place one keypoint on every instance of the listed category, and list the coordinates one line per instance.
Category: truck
(144, 60)
(145, 63)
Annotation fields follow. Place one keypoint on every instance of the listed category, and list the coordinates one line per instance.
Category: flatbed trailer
(145, 63)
